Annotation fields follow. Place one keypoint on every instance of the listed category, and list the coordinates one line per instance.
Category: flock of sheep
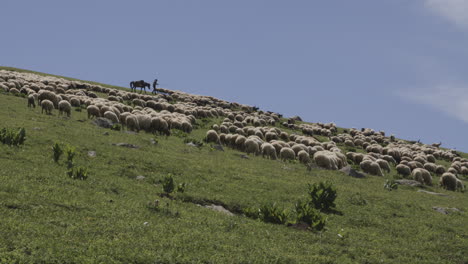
(243, 128)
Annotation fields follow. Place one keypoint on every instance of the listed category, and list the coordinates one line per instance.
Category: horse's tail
(131, 84)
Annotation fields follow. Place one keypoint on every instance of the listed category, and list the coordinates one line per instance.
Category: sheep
(14, 91)
(422, 175)
(431, 167)
(212, 136)
(93, 111)
(449, 181)
(47, 105)
(440, 169)
(240, 141)
(403, 170)
(31, 101)
(452, 170)
(415, 164)
(186, 126)
(268, 150)
(111, 116)
(303, 157)
(326, 159)
(389, 159)
(64, 107)
(144, 122)
(371, 167)
(287, 154)
(132, 123)
(383, 164)
(251, 146)
(48, 95)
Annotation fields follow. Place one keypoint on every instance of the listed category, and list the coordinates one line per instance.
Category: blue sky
(393, 65)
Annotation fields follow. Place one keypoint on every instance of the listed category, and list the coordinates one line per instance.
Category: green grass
(47, 217)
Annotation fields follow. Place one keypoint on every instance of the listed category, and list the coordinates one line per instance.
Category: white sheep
(268, 150)
(383, 164)
(111, 116)
(212, 136)
(422, 175)
(303, 157)
(251, 146)
(239, 142)
(371, 167)
(47, 105)
(31, 101)
(93, 111)
(403, 170)
(287, 154)
(450, 182)
(64, 107)
(132, 123)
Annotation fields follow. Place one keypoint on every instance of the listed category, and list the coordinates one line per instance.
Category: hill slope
(111, 217)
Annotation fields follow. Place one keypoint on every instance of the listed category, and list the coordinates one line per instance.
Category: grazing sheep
(14, 91)
(326, 159)
(75, 102)
(212, 136)
(111, 116)
(144, 122)
(383, 164)
(48, 95)
(452, 170)
(431, 167)
(240, 141)
(422, 175)
(389, 159)
(303, 157)
(268, 150)
(132, 123)
(64, 107)
(93, 111)
(31, 101)
(47, 105)
(449, 181)
(287, 154)
(371, 167)
(403, 170)
(415, 164)
(440, 170)
(251, 146)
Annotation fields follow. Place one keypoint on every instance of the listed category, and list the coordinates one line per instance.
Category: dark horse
(141, 84)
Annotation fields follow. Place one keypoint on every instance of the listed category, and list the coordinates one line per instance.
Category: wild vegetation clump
(12, 137)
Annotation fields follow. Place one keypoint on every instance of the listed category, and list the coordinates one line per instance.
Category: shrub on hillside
(307, 214)
(322, 195)
(11, 137)
(58, 151)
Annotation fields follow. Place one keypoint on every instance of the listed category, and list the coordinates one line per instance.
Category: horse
(141, 84)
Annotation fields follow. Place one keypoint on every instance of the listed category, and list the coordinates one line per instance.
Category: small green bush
(80, 173)
(58, 151)
(322, 195)
(168, 184)
(271, 213)
(390, 185)
(251, 212)
(307, 214)
(71, 152)
(11, 137)
(116, 127)
(181, 187)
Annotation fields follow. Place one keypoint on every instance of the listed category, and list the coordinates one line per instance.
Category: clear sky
(392, 65)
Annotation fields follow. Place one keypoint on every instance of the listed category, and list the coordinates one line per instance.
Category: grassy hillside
(111, 217)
